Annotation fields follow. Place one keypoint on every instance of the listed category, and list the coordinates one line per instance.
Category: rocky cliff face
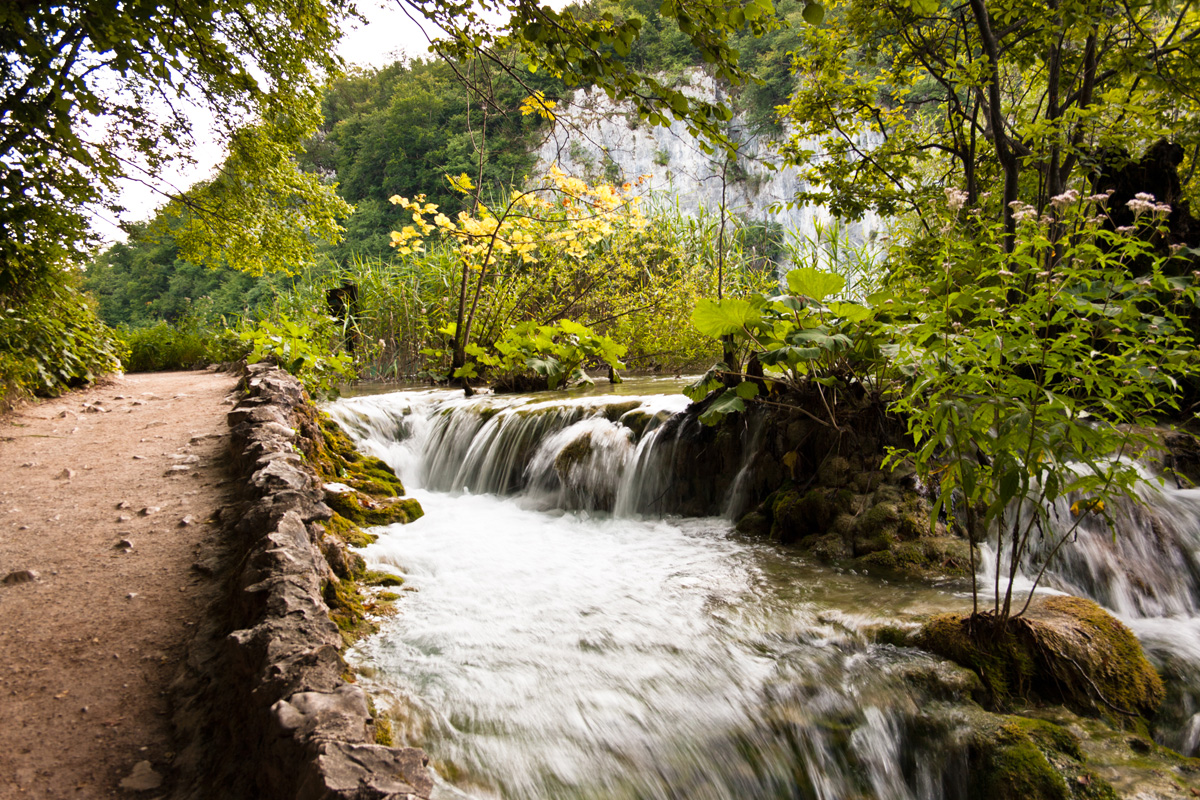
(598, 138)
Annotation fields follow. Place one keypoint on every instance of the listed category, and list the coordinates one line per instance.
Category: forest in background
(402, 130)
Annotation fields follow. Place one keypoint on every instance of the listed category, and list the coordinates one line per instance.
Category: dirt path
(113, 509)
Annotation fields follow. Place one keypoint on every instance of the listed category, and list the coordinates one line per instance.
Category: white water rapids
(552, 642)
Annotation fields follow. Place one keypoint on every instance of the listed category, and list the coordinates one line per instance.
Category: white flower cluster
(1145, 203)
(955, 199)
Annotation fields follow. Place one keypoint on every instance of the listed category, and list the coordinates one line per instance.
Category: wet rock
(341, 714)
(1064, 650)
(19, 576)
(143, 778)
(365, 770)
(834, 471)
(755, 523)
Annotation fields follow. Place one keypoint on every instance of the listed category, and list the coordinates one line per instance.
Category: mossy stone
(834, 471)
(572, 455)
(378, 578)
(614, 412)
(755, 523)
(348, 532)
(366, 512)
(636, 421)
(866, 482)
(1066, 650)
(796, 516)
(1013, 768)
(827, 547)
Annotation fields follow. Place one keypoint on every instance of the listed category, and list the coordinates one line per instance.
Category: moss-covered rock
(796, 516)
(345, 603)
(1011, 766)
(755, 523)
(637, 422)
(1066, 650)
(365, 511)
(615, 411)
(348, 532)
(571, 456)
(834, 471)
(378, 578)
(928, 557)
(826, 547)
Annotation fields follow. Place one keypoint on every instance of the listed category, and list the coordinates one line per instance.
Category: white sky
(387, 35)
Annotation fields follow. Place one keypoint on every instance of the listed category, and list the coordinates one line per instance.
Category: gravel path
(109, 495)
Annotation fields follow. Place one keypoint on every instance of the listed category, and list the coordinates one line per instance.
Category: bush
(50, 341)
(164, 347)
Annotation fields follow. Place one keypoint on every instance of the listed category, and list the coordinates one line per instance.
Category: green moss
(1066, 650)
(345, 603)
(487, 412)
(383, 732)
(1013, 768)
(614, 412)
(366, 512)
(377, 578)
(797, 516)
(755, 523)
(1120, 680)
(348, 532)
(997, 657)
(573, 454)
(387, 597)
(834, 471)
(937, 556)
(636, 421)
(890, 634)
(827, 547)
(1049, 737)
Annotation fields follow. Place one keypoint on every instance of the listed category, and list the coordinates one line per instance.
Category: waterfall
(566, 636)
(1145, 569)
(589, 453)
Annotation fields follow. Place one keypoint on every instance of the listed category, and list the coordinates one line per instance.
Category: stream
(556, 639)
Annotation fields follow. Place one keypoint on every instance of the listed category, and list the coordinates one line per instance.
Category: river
(555, 640)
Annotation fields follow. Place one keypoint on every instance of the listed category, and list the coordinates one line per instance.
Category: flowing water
(556, 639)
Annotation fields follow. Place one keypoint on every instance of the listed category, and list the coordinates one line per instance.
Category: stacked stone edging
(268, 713)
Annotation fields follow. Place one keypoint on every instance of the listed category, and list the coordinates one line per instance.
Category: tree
(95, 90)
(578, 45)
(907, 97)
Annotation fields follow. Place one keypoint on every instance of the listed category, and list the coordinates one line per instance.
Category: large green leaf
(727, 402)
(814, 283)
(851, 312)
(722, 317)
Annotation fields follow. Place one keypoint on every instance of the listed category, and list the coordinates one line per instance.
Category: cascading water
(1145, 569)
(563, 639)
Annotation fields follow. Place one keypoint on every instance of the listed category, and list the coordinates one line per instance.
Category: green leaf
(726, 403)
(721, 317)
(814, 283)
(851, 312)
(746, 390)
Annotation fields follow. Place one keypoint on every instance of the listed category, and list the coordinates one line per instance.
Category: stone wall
(264, 707)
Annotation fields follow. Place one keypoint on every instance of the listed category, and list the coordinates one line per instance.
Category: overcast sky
(387, 35)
